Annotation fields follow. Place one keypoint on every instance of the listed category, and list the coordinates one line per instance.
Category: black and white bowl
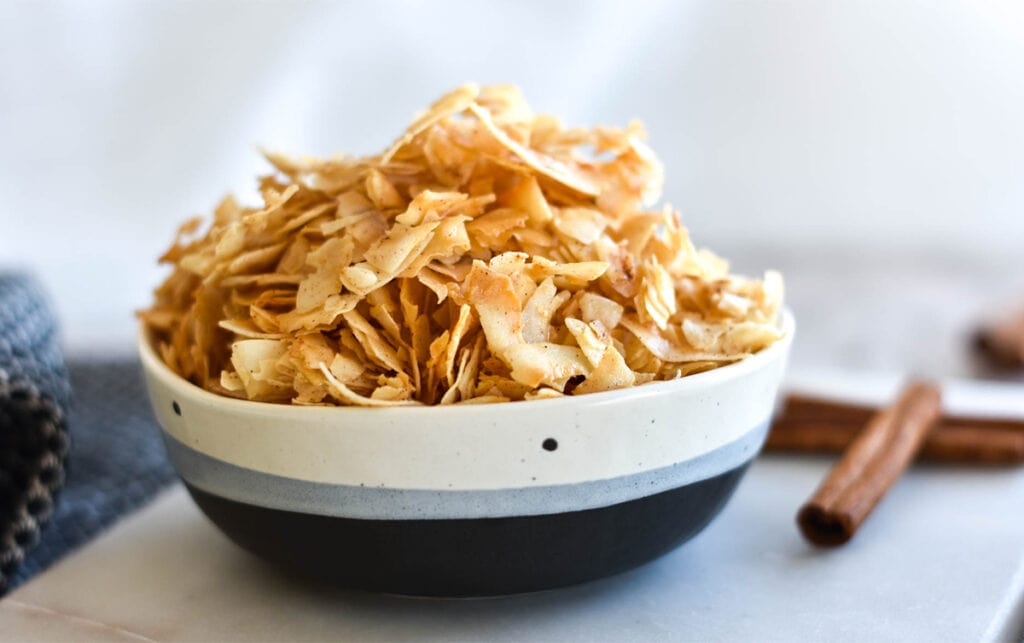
(470, 500)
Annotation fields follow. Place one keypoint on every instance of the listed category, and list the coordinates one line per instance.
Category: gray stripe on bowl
(381, 503)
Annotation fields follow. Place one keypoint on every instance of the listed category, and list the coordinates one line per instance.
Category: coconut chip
(488, 255)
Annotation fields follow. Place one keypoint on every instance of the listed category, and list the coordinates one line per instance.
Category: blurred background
(873, 151)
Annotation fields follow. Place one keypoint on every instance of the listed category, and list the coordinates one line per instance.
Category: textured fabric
(116, 462)
(34, 397)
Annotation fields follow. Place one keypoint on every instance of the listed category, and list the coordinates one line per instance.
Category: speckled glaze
(476, 499)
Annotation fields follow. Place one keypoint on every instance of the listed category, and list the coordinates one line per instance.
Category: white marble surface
(941, 559)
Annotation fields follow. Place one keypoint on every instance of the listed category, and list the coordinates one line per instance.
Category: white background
(878, 129)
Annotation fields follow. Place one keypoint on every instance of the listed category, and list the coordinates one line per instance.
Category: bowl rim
(154, 366)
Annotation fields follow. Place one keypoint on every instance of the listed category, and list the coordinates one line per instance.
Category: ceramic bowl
(470, 500)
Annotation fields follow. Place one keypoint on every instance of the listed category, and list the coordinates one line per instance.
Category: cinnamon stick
(831, 412)
(947, 442)
(1003, 343)
(817, 425)
(874, 460)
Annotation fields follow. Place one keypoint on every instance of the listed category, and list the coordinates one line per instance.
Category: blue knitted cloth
(115, 462)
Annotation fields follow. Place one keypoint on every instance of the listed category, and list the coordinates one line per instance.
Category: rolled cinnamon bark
(948, 443)
(1003, 343)
(800, 407)
(873, 462)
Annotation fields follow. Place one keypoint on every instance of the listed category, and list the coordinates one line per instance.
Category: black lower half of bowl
(473, 557)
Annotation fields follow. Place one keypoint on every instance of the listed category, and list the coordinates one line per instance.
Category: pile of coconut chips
(488, 255)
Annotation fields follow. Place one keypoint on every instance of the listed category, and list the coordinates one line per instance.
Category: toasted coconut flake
(543, 393)
(609, 374)
(656, 301)
(545, 363)
(671, 351)
(494, 229)
(469, 373)
(377, 348)
(317, 287)
(458, 332)
(435, 282)
(585, 225)
(527, 197)
(595, 307)
(346, 367)
(576, 273)
(448, 105)
(265, 279)
(327, 315)
(382, 192)
(552, 168)
(402, 244)
(540, 309)
(348, 396)
(490, 254)
(485, 399)
(310, 215)
(255, 364)
(429, 205)
(247, 329)
(494, 299)
(593, 340)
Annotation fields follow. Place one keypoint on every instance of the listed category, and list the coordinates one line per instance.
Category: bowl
(470, 500)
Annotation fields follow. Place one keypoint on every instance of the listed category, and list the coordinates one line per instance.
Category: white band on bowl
(377, 503)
